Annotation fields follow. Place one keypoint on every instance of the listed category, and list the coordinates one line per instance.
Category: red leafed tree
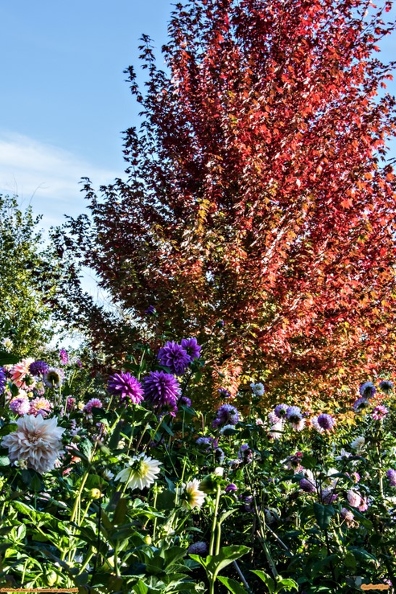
(258, 192)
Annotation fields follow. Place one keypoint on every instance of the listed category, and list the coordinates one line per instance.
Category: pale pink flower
(21, 376)
(354, 499)
(40, 406)
(36, 442)
(20, 405)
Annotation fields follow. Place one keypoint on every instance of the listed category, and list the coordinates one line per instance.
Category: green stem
(214, 522)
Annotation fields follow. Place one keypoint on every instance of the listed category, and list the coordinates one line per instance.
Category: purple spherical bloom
(391, 475)
(231, 488)
(360, 403)
(3, 380)
(204, 441)
(38, 368)
(125, 386)
(224, 393)
(93, 403)
(379, 412)
(307, 486)
(323, 422)
(367, 390)
(191, 346)
(161, 389)
(226, 415)
(280, 410)
(175, 357)
(198, 548)
(386, 386)
(63, 356)
(293, 414)
(150, 311)
(185, 401)
(20, 405)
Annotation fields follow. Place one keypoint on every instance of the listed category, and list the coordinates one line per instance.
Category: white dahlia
(190, 494)
(141, 473)
(36, 442)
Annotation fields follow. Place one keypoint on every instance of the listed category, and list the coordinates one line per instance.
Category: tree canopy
(258, 193)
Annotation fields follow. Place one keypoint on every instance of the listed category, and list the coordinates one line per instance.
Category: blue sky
(64, 102)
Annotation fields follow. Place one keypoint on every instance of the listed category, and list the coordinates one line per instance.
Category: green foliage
(28, 280)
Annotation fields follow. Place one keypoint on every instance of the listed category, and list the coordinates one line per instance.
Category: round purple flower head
(3, 380)
(20, 405)
(93, 403)
(150, 311)
(38, 368)
(281, 410)
(185, 401)
(226, 415)
(386, 386)
(231, 488)
(125, 386)
(175, 357)
(192, 348)
(391, 474)
(293, 414)
(161, 389)
(360, 403)
(323, 422)
(63, 356)
(224, 393)
(198, 548)
(367, 390)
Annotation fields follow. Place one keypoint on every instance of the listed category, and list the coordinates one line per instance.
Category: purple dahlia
(391, 475)
(38, 368)
(191, 346)
(63, 356)
(226, 415)
(175, 357)
(161, 389)
(323, 422)
(367, 390)
(126, 387)
(3, 380)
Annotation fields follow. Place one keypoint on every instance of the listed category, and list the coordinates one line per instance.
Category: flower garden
(119, 484)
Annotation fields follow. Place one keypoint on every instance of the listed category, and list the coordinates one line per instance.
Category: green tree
(28, 279)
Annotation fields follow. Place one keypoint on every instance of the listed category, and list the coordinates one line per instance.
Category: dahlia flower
(367, 390)
(53, 378)
(63, 357)
(175, 357)
(281, 410)
(20, 405)
(3, 380)
(379, 412)
(386, 386)
(125, 386)
(190, 494)
(40, 406)
(226, 415)
(161, 389)
(38, 368)
(257, 389)
(192, 348)
(323, 422)
(391, 475)
(93, 403)
(21, 375)
(141, 472)
(37, 443)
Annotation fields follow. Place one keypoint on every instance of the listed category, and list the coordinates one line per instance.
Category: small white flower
(108, 475)
(7, 344)
(219, 471)
(257, 389)
(276, 430)
(358, 443)
(141, 473)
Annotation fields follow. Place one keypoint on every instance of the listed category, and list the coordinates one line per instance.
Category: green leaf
(233, 586)
(226, 556)
(323, 514)
(267, 579)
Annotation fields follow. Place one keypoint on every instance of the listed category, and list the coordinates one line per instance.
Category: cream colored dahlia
(190, 494)
(36, 442)
(141, 472)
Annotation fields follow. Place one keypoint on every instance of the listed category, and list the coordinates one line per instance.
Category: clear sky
(63, 99)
